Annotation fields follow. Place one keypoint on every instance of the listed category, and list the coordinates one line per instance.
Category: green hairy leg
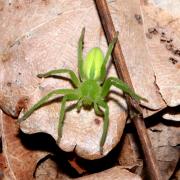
(97, 110)
(108, 54)
(104, 105)
(68, 97)
(73, 76)
(79, 105)
(44, 100)
(110, 48)
(80, 54)
(112, 81)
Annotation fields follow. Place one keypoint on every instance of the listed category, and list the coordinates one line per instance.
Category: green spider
(91, 88)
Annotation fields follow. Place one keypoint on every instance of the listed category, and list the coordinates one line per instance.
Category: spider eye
(93, 63)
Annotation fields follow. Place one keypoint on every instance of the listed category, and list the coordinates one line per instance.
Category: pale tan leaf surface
(160, 20)
(128, 20)
(115, 173)
(163, 47)
(172, 115)
(170, 6)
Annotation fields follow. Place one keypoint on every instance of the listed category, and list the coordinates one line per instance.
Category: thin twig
(134, 107)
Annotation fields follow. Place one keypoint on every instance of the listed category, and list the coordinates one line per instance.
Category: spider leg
(73, 76)
(80, 54)
(112, 81)
(79, 105)
(104, 105)
(44, 100)
(110, 47)
(97, 110)
(108, 54)
(67, 97)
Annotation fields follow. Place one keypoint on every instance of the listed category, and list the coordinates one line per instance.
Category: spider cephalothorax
(91, 88)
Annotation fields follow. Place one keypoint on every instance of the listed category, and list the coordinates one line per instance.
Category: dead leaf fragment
(115, 173)
(164, 62)
(49, 170)
(20, 162)
(170, 6)
(172, 115)
(129, 157)
(48, 40)
(165, 140)
(135, 51)
(12, 105)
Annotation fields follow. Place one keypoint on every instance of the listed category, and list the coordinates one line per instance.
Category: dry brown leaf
(48, 40)
(20, 162)
(11, 103)
(30, 45)
(128, 20)
(3, 165)
(177, 175)
(115, 173)
(165, 140)
(42, 35)
(129, 157)
(48, 170)
(170, 6)
(163, 48)
(158, 21)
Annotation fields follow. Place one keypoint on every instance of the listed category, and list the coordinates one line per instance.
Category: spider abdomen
(93, 63)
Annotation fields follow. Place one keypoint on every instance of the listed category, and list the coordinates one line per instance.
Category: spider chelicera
(91, 88)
